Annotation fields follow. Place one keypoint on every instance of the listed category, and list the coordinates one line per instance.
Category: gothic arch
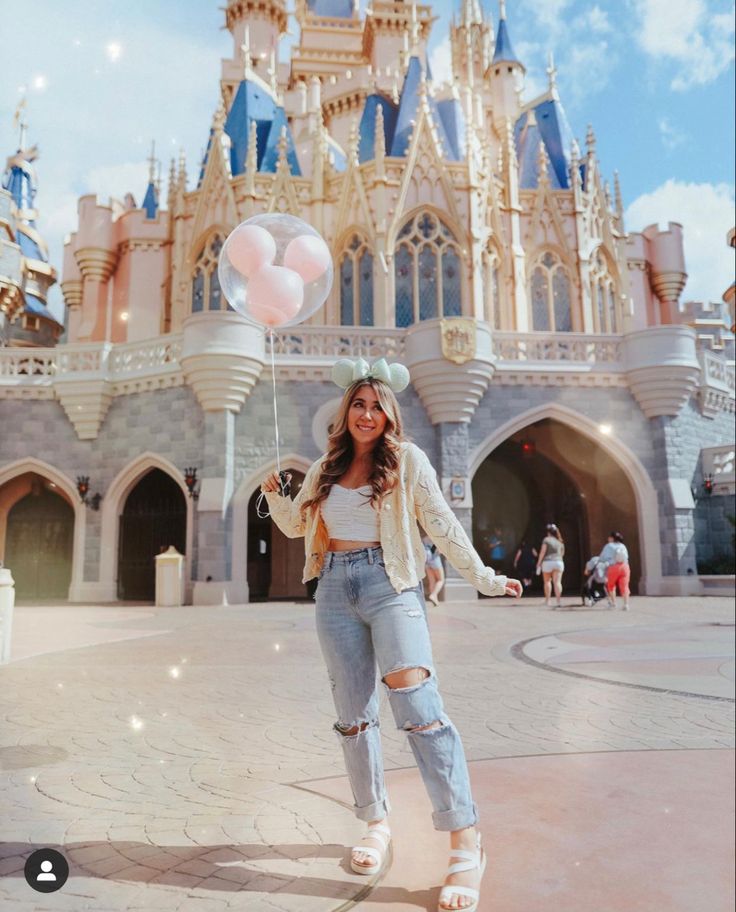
(354, 256)
(112, 507)
(553, 263)
(202, 264)
(430, 270)
(644, 492)
(245, 490)
(68, 488)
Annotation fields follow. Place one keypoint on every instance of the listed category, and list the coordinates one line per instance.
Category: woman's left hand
(514, 588)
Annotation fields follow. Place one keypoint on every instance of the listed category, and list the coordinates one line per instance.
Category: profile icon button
(46, 870)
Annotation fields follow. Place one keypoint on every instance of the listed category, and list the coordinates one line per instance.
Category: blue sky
(654, 78)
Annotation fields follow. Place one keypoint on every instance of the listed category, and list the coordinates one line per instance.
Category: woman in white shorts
(551, 562)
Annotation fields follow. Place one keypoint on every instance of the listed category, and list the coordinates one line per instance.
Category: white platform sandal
(471, 861)
(382, 833)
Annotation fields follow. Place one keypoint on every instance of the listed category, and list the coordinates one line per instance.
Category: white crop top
(348, 514)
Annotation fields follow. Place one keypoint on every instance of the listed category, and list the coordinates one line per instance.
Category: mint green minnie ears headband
(346, 372)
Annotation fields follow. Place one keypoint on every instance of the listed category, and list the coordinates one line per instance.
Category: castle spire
(504, 51)
(151, 198)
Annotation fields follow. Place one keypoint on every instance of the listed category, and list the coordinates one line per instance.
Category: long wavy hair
(555, 532)
(384, 475)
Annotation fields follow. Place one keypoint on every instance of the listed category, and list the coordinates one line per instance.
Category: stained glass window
(427, 271)
(356, 283)
(404, 271)
(603, 294)
(540, 300)
(551, 305)
(206, 292)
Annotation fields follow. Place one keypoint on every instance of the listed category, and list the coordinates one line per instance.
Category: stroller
(594, 586)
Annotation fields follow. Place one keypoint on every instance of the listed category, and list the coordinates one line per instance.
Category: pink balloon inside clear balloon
(249, 248)
(308, 255)
(274, 295)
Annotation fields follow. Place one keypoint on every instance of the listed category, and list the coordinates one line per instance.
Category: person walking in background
(616, 555)
(434, 569)
(551, 562)
(525, 561)
(497, 549)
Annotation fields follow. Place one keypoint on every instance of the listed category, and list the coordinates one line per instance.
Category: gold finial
(218, 121)
(551, 73)
(245, 48)
(152, 162)
(283, 145)
(542, 163)
(590, 140)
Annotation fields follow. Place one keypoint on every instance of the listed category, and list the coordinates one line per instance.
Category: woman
(551, 562)
(434, 569)
(358, 509)
(618, 572)
(525, 560)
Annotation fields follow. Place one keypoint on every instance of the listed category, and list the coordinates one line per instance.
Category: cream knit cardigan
(417, 496)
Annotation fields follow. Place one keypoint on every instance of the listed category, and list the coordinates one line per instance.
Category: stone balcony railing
(717, 383)
(720, 463)
(308, 352)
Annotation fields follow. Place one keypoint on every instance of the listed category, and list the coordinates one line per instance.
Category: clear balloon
(268, 294)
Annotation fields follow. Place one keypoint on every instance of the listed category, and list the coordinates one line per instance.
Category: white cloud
(440, 61)
(706, 213)
(670, 135)
(688, 33)
(596, 20)
(548, 13)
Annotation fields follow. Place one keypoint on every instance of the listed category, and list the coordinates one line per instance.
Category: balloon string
(275, 407)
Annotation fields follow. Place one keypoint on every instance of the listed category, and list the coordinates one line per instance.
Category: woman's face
(366, 418)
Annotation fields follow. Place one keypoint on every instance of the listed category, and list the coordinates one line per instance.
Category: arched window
(549, 293)
(356, 283)
(603, 295)
(492, 287)
(206, 292)
(427, 271)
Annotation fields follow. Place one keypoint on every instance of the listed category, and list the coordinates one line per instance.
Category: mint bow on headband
(346, 372)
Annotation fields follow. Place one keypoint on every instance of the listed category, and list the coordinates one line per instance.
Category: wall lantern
(190, 480)
(83, 490)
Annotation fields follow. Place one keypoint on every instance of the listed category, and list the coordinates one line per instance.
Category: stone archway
(246, 534)
(112, 507)
(152, 520)
(16, 482)
(617, 489)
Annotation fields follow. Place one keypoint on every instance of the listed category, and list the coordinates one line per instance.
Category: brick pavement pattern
(165, 759)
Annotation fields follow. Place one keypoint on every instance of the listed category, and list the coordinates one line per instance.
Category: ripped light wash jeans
(364, 624)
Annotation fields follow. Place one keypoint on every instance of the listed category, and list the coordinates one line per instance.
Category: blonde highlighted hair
(384, 475)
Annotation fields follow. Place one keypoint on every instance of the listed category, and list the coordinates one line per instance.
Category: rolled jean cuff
(456, 819)
(376, 811)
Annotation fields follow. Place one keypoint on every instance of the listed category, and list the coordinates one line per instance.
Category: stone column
(222, 358)
(451, 382)
(453, 451)
(214, 514)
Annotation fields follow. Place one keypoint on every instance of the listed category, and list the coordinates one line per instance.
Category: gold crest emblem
(458, 339)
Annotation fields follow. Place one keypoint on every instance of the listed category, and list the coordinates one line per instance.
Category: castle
(555, 376)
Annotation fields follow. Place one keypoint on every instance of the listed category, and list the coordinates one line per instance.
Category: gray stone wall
(166, 422)
(685, 534)
(171, 424)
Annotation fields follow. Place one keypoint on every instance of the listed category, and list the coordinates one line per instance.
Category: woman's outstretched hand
(514, 588)
(272, 482)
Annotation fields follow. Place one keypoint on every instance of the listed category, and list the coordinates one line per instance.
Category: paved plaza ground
(184, 759)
